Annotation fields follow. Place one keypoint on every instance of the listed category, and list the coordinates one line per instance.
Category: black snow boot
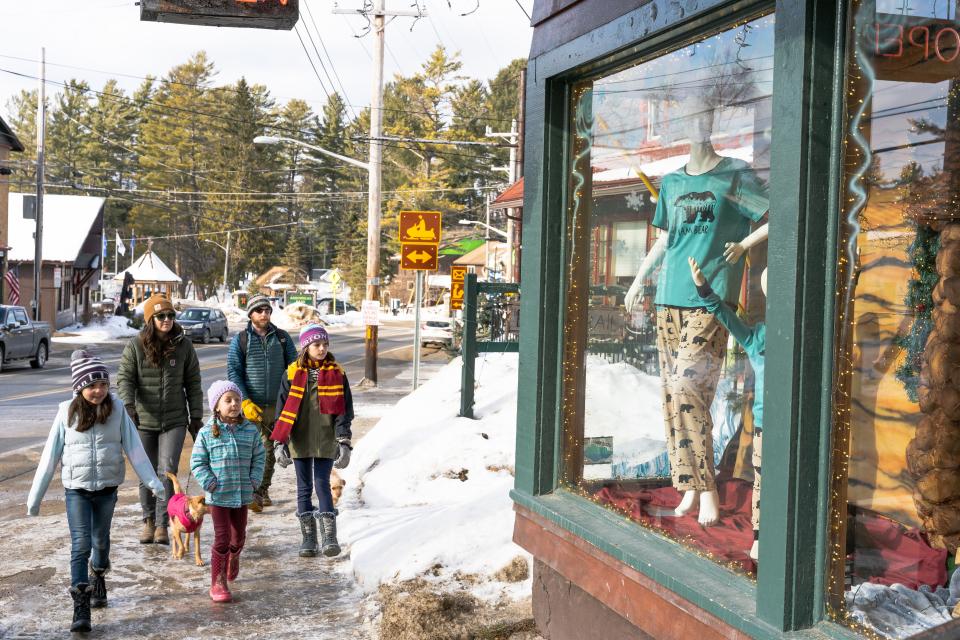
(328, 529)
(308, 527)
(81, 607)
(98, 588)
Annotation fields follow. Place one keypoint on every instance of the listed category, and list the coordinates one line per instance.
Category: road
(29, 397)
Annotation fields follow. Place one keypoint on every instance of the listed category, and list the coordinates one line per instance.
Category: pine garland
(919, 298)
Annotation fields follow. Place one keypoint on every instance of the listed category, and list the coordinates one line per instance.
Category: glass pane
(896, 519)
(661, 395)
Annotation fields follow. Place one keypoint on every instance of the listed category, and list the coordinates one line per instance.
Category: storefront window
(896, 516)
(663, 359)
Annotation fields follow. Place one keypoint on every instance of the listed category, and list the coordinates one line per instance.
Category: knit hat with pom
(87, 369)
(216, 391)
(312, 333)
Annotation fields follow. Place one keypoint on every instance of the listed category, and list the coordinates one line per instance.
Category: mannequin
(705, 208)
(754, 342)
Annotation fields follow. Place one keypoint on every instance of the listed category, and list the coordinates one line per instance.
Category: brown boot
(160, 535)
(265, 498)
(146, 534)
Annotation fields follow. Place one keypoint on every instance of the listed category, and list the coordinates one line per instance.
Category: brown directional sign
(458, 274)
(261, 14)
(420, 227)
(418, 257)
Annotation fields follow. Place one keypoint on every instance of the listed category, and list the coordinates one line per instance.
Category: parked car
(204, 324)
(325, 306)
(436, 332)
(23, 339)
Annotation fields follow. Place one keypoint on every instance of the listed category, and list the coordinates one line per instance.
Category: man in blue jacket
(256, 362)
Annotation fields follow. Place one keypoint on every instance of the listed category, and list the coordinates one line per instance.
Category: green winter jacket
(165, 398)
(315, 434)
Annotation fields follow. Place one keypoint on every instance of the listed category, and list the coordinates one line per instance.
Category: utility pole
(376, 166)
(226, 265)
(511, 136)
(38, 234)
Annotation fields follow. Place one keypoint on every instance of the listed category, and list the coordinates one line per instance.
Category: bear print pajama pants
(691, 345)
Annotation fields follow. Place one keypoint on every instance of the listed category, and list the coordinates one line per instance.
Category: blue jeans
(313, 472)
(163, 449)
(89, 514)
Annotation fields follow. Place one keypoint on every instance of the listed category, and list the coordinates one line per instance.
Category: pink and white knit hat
(313, 333)
(87, 369)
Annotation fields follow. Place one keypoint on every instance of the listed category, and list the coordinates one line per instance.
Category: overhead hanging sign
(257, 14)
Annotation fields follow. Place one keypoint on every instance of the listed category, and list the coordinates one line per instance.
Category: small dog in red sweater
(186, 516)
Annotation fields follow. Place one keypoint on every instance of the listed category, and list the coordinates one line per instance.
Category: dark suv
(204, 324)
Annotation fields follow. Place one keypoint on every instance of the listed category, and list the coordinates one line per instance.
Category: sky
(96, 40)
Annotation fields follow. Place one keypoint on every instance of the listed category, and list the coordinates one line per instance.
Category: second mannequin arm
(650, 263)
(733, 251)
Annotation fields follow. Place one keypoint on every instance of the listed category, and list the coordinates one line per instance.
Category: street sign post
(258, 14)
(458, 275)
(419, 248)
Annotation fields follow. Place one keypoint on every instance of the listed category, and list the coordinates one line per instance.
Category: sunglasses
(263, 310)
(163, 317)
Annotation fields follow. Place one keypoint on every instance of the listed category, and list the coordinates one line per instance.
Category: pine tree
(67, 136)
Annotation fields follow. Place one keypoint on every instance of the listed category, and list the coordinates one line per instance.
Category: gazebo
(150, 275)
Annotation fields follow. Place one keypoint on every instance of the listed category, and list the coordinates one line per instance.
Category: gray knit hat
(256, 301)
(87, 369)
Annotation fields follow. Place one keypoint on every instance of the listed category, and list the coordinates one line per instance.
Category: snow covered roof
(149, 268)
(67, 221)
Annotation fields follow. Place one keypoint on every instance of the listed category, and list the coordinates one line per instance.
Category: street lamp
(226, 261)
(373, 226)
(484, 224)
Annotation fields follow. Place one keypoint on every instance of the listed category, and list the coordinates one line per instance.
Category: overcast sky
(105, 38)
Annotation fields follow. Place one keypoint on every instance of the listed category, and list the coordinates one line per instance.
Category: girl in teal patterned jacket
(227, 461)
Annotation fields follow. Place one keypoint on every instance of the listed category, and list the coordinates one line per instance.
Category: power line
(333, 67)
(296, 29)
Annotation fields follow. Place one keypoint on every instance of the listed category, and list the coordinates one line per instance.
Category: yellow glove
(251, 410)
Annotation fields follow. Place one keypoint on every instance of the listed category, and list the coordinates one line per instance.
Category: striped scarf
(329, 377)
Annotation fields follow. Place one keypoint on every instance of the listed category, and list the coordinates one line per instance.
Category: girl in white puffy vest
(88, 439)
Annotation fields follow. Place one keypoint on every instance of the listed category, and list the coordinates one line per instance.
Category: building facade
(741, 235)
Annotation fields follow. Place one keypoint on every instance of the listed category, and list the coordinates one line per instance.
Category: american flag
(13, 282)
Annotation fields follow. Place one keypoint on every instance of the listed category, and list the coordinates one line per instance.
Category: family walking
(279, 404)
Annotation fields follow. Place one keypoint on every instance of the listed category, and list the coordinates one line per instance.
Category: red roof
(512, 197)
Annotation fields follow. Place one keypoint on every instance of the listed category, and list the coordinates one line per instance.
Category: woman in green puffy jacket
(159, 382)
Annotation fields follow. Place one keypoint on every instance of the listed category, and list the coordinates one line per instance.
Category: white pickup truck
(22, 339)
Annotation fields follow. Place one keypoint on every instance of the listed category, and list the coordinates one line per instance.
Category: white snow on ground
(405, 509)
(99, 330)
(348, 319)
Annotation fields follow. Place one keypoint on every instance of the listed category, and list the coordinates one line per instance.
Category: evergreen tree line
(176, 162)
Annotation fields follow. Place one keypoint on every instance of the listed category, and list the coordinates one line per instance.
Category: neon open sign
(934, 40)
(261, 14)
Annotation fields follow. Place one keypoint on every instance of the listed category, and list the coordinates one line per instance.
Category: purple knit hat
(312, 333)
(86, 369)
(217, 389)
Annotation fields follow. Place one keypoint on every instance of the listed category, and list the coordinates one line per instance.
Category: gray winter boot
(328, 529)
(98, 588)
(308, 527)
(81, 607)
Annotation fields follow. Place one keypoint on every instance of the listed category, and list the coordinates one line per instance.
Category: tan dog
(336, 486)
(186, 516)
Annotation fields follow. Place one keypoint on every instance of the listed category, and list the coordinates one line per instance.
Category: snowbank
(427, 488)
(99, 330)
(348, 319)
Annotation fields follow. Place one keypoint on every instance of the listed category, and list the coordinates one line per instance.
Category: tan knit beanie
(155, 304)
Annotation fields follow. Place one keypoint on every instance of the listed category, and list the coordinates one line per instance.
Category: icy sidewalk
(278, 594)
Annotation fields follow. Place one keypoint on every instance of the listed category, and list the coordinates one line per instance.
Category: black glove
(132, 412)
(194, 428)
(343, 455)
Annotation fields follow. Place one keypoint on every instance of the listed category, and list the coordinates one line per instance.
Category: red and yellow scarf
(330, 396)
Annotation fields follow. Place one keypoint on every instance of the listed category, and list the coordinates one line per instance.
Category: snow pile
(99, 330)
(427, 488)
(348, 319)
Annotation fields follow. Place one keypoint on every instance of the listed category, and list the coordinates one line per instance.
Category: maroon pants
(229, 528)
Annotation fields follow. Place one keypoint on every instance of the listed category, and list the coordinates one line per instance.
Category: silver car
(204, 324)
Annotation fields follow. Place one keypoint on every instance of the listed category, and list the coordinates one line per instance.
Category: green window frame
(790, 592)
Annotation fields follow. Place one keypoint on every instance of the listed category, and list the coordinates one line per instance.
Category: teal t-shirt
(701, 214)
